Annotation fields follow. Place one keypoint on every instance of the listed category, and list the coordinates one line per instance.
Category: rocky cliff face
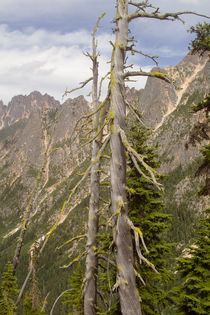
(180, 135)
(3, 109)
(159, 99)
(21, 107)
(177, 119)
(34, 125)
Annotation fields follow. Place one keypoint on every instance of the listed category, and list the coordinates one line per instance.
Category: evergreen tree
(204, 104)
(204, 168)
(8, 292)
(145, 211)
(192, 296)
(74, 297)
(201, 43)
(28, 308)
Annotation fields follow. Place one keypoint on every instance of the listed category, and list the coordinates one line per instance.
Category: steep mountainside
(180, 134)
(36, 132)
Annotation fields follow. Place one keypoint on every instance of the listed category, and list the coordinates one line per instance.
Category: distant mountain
(36, 130)
(180, 135)
(21, 107)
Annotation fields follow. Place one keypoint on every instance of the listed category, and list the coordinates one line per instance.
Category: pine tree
(8, 292)
(192, 296)
(74, 297)
(201, 43)
(145, 211)
(28, 308)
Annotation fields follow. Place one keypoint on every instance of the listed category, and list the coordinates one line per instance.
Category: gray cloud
(42, 41)
(46, 61)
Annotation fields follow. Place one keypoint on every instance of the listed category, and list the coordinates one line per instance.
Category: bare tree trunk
(90, 291)
(129, 299)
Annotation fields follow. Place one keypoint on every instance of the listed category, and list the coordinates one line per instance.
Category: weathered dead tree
(129, 299)
(90, 290)
(99, 119)
(126, 283)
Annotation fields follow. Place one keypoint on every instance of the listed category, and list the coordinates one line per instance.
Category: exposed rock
(159, 99)
(156, 99)
(34, 126)
(20, 107)
(3, 110)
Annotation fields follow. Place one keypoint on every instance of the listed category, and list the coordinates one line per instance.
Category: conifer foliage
(201, 43)
(28, 308)
(192, 297)
(74, 297)
(8, 292)
(145, 211)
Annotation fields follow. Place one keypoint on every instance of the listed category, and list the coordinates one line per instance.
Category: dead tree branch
(158, 75)
(72, 240)
(166, 16)
(133, 51)
(82, 85)
(137, 234)
(133, 153)
(75, 260)
(54, 304)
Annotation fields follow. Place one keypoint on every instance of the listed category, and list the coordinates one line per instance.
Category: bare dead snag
(129, 299)
(90, 289)
(126, 285)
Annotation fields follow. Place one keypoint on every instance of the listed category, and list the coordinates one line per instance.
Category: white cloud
(32, 37)
(35, 57)
(47, 61)
(41, 60)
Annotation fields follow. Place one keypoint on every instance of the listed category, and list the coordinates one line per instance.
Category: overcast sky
(42, 42)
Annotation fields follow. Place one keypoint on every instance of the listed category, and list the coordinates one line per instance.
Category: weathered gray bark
(90, 291)
(129, 299)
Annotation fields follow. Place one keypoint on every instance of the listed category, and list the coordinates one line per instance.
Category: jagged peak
(21, 106)
(79, 98)
(35, 95)
(2, 106)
